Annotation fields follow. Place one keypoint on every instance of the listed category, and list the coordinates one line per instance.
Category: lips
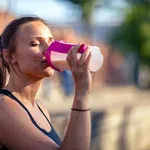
(43, 61)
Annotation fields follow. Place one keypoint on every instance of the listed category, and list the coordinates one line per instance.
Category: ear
(9, 58)
(5, 55)
(13, 59)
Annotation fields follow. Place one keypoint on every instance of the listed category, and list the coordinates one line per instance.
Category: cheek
(34, 54)
(30, 55)
(28, 61)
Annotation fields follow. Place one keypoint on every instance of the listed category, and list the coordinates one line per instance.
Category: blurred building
(5, 18)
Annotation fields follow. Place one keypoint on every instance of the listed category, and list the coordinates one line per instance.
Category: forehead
(35, 28)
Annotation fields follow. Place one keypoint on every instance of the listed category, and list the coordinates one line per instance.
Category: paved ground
(102, 98)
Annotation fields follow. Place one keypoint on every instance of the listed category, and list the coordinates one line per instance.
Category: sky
(63, 12)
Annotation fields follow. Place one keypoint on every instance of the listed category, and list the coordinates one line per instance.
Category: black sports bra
(52, 134)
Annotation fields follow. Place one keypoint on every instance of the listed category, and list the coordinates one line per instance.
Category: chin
(48, 72)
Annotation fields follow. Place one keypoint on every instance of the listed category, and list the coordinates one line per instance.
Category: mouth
(43, 61)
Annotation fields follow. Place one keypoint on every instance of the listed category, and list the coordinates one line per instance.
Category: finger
(92, 73)
(88, 60)
(72, 55)
(83, 58)
(75, 50)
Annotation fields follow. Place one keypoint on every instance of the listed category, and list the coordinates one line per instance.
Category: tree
(134, 33)
(87, 7)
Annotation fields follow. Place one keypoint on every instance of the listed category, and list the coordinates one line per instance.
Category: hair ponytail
(1, 66)
(4, 67)
(2, 76)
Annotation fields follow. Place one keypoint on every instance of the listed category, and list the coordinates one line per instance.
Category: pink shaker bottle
(57, 53)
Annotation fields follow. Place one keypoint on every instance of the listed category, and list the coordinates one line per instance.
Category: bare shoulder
(5, 104)
(17, 131)
(9, 109)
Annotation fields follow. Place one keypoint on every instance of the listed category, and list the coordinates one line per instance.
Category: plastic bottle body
(57, 59)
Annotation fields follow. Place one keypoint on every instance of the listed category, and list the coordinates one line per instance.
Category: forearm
(78, 135)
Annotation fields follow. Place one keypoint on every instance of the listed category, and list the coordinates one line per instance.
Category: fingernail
(82, 48)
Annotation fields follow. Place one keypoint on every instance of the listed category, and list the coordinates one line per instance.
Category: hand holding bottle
(80, 70)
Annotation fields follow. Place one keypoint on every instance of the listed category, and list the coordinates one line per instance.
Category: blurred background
(120, 97)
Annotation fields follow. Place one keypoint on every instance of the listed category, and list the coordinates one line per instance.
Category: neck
(25, 88)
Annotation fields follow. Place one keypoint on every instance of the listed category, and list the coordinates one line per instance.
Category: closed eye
(35, 44)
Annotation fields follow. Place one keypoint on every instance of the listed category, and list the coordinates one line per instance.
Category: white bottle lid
(96, 59)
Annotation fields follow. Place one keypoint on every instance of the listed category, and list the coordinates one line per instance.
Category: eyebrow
(39, 37)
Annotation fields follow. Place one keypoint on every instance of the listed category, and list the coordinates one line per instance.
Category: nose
(45, 48)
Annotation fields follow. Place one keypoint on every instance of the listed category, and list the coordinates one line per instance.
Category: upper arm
(18, 132)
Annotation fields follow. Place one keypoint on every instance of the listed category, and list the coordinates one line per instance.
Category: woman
(25, 125)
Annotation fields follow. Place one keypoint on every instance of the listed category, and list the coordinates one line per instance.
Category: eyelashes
(35, 44)
(39, 43)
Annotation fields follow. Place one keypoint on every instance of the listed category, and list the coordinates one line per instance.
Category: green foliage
(87, 7)
(139, 1)
(134, 33)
